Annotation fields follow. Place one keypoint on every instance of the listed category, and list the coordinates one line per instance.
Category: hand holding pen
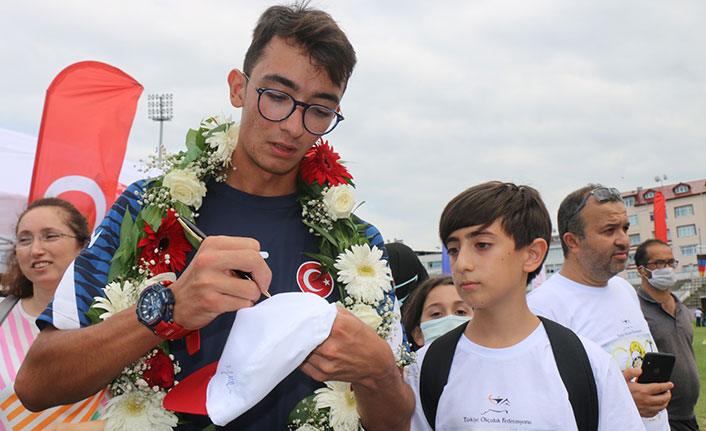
(199, 236)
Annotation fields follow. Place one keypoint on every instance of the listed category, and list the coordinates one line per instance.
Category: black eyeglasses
(602, 195)
(276, 105)
(661, 264)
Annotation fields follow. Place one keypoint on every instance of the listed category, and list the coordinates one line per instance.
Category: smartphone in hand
(656, 367)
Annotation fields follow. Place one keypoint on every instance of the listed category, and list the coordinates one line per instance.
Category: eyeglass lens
(277, 105)
(45, 237)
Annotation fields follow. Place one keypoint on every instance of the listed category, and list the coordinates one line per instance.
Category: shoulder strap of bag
(575, 371)
(6, 306)
(434, 372)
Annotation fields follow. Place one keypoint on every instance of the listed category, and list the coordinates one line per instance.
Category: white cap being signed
(266, 343)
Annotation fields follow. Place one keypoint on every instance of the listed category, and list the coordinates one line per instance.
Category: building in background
(686, 224)
(431, 261)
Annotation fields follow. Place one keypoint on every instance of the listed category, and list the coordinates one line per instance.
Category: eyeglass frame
(664, 263)
(612, 192)
(42, 239)
(305, 106)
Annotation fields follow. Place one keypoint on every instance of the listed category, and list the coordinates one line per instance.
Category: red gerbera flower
(167, 247)
(321, 164)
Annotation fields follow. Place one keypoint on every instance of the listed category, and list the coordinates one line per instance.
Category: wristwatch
(155, 309)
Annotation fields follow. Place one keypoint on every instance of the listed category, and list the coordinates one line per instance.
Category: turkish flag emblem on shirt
(88, 113)
(310, 280)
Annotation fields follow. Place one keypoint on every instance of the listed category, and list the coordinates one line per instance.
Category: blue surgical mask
(435, 328)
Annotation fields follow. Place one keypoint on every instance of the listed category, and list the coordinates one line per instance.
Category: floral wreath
(153, 247)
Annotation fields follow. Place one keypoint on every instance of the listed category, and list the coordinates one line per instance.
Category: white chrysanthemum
(340, 399)
(117, 298)
(364, 273)
(216, 121)
(367, 315)
(307, 427)
(224, 143)
(137, 410)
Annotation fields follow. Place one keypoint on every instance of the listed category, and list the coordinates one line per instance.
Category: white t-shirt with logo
(519, 388)
(610, 316)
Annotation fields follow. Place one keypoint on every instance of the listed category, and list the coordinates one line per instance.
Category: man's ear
(535, 254)
(571, 240)
(237, 83)
(642, 272)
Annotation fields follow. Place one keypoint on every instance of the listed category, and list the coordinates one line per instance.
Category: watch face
(149, 307)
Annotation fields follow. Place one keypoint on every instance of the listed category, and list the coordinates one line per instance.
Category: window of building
(631, 258)
(652, 216)
(635, 239)
(684, 211)
(649, 195)
(632, 219)
(629, 201)
(669, 235)
(683, 188)
(687, 230)
(688, 250)
(632, 274)
(689, 268)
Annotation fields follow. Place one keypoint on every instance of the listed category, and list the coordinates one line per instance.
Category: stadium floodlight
(159, 108)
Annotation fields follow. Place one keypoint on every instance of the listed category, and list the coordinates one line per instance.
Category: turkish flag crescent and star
(660, 216)
(88, 113)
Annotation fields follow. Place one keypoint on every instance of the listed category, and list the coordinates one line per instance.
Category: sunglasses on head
(602, 195)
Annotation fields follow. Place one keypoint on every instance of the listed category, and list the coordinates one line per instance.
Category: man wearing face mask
(670, 324)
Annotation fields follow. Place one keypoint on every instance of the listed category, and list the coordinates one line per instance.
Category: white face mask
(435, 328)
(662, 279)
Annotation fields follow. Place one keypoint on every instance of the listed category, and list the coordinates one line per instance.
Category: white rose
(367, 315)
(339, 201)
(185, 187)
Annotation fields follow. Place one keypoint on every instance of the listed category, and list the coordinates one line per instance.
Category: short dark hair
(521, 209)
(641, 257)
(413, 307)
(313, 30)
(565, 219)
(14, 281)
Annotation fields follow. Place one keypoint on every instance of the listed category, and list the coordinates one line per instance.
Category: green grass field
(700, 351)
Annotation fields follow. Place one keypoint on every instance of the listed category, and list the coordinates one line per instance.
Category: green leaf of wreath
(152, 215)
(321, 231)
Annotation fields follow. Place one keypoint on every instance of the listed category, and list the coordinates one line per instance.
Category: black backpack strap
(575, 371)
(434, 372)
(6, 306)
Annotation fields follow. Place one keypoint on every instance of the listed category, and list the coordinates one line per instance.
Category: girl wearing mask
(433, 309)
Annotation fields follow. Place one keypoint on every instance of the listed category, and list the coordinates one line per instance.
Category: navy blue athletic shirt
(276, 223)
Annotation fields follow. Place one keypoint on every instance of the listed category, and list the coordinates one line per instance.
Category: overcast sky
(446, 94)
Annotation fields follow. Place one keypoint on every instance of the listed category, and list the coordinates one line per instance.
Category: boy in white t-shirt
(504, 375)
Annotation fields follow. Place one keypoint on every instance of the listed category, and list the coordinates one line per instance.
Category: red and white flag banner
(88, 113)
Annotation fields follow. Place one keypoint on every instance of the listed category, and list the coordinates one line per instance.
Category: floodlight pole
(160, 109)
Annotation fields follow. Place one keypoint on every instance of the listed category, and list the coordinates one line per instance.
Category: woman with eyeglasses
(50, 234)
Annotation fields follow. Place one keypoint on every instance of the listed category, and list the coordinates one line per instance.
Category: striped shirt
(17, 333)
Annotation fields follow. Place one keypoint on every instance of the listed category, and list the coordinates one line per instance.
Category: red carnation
(321, 164)
(169, 240)
(160, 371)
